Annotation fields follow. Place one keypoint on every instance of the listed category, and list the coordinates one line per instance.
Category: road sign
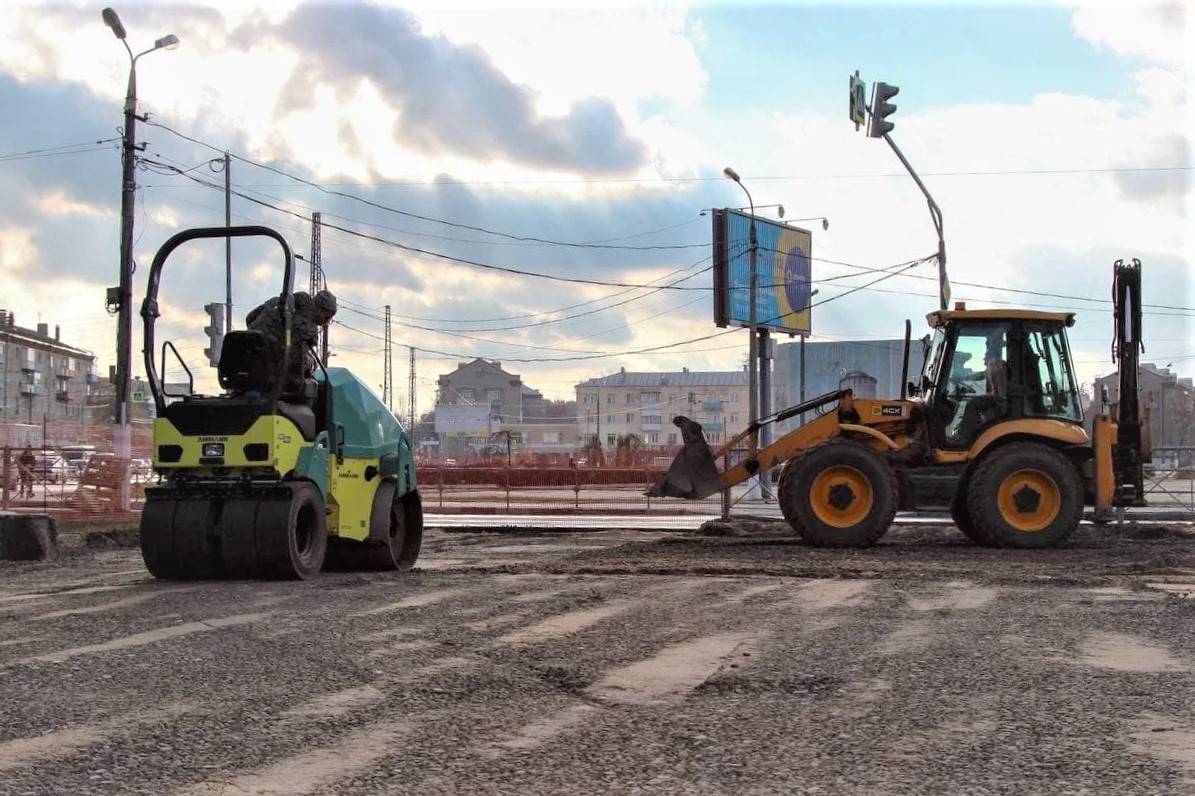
(858, 99)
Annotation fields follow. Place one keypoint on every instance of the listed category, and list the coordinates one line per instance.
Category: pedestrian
(25, 464)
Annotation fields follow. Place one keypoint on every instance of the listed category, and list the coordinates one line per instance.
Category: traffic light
(881, 109)
(214, 331)
(858, 99)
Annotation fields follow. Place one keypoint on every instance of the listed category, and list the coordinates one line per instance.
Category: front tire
(1026, 495)
(841, 494)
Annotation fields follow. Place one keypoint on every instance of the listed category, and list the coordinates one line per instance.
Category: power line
(430, 253)
(664, 346)
(419, 217)
(56, 150)
(980, 285)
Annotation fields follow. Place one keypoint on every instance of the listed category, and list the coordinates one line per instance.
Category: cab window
(1050, 389)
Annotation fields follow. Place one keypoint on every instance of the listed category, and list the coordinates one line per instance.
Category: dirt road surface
(616, 662)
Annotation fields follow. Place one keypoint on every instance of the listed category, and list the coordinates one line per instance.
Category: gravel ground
(615, 661)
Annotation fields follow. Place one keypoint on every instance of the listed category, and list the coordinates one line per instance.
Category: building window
(649, 397)
(734, 418)
(610, 398)
(552, 437)
(734, 397)
(611, 439)
(493, 395)
(466, 394)
(653, 438)
(629, 399)
(692, 397)
(672, 438)
(609, 418)
(630, 417)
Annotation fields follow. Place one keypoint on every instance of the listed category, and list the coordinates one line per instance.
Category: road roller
(275, 476)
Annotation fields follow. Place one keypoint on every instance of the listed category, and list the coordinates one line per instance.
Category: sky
(1056, 138)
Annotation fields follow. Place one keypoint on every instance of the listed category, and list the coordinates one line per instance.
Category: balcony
(651, 423)
(712, 406)
(64, 396)
(713, 425)
(31, 389)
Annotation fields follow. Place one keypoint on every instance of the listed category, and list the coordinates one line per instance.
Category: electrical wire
(417, 216)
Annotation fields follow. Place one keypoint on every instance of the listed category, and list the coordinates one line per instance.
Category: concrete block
(27, 537)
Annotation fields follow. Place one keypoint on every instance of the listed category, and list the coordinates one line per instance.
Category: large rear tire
(841, 494)
(292, 534)
(1026, 495)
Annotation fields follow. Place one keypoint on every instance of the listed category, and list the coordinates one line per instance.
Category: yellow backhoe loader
(993, 430)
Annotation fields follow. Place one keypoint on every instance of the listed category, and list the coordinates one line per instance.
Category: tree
(592, 450)
(627, 448)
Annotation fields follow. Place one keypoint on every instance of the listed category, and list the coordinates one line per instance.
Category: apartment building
(40, 375)
(644, 403)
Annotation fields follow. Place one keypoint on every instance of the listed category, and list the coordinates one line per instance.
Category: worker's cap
(325, 303)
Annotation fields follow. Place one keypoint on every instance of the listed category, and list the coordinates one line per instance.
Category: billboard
(462, 420)
(783, 273)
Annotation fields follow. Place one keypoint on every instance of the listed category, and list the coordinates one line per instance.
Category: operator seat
(249, 363)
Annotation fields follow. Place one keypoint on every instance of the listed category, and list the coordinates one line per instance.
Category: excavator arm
(694, 473)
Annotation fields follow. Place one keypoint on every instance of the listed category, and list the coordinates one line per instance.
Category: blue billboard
(783, 273)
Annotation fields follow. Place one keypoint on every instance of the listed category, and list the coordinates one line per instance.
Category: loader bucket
(692, 474)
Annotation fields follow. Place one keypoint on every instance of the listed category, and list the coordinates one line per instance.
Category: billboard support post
(753, 317)
(764, 346)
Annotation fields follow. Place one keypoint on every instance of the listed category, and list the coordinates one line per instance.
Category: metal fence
(76, 477)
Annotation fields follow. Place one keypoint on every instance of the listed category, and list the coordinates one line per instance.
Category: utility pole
(227, 245)
(388, 367)
(121, 441)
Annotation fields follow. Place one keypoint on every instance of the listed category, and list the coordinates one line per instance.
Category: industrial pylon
(411, 392)
(318, 282)
(388, 367)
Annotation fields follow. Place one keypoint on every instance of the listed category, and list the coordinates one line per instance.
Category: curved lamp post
(124, 327)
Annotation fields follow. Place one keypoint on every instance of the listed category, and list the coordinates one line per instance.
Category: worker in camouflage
(311, 314)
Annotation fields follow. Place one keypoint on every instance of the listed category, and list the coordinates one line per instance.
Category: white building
(644, 403)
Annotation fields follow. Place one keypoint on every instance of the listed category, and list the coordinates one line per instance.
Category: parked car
(76, 456)
(50, 468)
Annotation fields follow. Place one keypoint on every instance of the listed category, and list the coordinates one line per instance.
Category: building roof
(683, 378)
(21, 335)
(489, 363)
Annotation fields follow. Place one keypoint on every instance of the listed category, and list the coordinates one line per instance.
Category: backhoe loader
(993, 431)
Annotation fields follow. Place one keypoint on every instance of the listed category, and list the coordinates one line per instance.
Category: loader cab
(985, 367)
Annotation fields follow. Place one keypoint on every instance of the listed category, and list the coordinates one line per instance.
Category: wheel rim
(1029, 500)
(841, 496)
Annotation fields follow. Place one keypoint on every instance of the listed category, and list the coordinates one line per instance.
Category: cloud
(1148, 30)
(449, 98)
(1162, 152)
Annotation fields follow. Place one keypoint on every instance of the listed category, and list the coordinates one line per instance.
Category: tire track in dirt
(147, 637)
(22, 752)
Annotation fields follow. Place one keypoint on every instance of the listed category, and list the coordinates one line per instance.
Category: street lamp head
(825, 224)
(167, 42)
(113, 22)
(731, 173)
(780, 210)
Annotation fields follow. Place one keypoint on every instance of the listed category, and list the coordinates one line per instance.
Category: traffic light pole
(936, 214)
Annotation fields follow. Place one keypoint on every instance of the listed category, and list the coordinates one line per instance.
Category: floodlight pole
(936, 214)
(121, 439)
